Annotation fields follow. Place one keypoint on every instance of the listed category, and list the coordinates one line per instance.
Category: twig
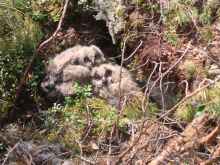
(120, 108)
(144, 106)
(10, 151)
(85, 160)
(215, 157)
(28, 68)
(58, 27)
(4, 5)
(161, 88)
(146, 90)
(133, 53)
(143, 121)
(133, 144)
(210, 137)
(140, 66)
(89, 124)
(187, 97)
(173, 66)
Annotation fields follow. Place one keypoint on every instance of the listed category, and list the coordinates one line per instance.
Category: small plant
(185, 17)
(2, 147)
(207, 100)
(205, 17)
(186, 113)
(138, 2)
(67, 123)
(206, 34)
(190, 69)
(81, 93)
(172, 37)
(17, 45)
(39, 16)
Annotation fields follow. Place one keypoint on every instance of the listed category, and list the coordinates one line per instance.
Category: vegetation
(83, 116)
(18, 39)
(170, 46)
(207, 100)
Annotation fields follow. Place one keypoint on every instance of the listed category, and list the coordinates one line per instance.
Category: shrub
(185, 17)
(18, 40)
(68, 123)
(207, 100)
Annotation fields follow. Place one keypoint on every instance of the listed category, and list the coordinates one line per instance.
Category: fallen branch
(210, 137)
(215, 157)
(187, 140)
(9, 152)
(187, 97)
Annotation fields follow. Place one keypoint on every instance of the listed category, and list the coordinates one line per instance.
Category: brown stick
(184, 142)
(210, 137)
(58, 27)
(9, 152)
(187, 97)
(37, 52)
(214, 158)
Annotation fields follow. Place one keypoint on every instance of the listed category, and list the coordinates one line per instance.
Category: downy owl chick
(70, 66)
(111, 82)
(87, 56)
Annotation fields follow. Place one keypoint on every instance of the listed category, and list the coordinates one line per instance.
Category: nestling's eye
(87, 60)
(97, 56)
(108, 73)
(97, 77)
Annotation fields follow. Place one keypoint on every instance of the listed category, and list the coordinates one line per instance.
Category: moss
(138, 2)
(190, 69)
(67, 124)
(185, 113)
(172, 37)
(120, 11)
(4, 107)
(18, 40)
(206, 34)
(207, 100)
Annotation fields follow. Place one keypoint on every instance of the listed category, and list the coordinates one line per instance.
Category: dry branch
(188, 97)
(215, 157)
(187, 140)
(210, 137)
(9, 152)
(28, 68)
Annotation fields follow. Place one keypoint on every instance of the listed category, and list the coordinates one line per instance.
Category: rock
(27, 151)
(113, 13)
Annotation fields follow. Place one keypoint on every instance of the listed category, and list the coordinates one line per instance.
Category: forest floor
(183, 81)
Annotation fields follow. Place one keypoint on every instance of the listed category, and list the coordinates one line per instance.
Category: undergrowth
(19, 35)
(186, 18)
(84, 117)
(207, 100)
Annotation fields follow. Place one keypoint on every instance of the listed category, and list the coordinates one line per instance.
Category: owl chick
(71, 66)
(111, 82)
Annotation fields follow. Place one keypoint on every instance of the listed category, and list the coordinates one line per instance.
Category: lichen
(113, 13)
